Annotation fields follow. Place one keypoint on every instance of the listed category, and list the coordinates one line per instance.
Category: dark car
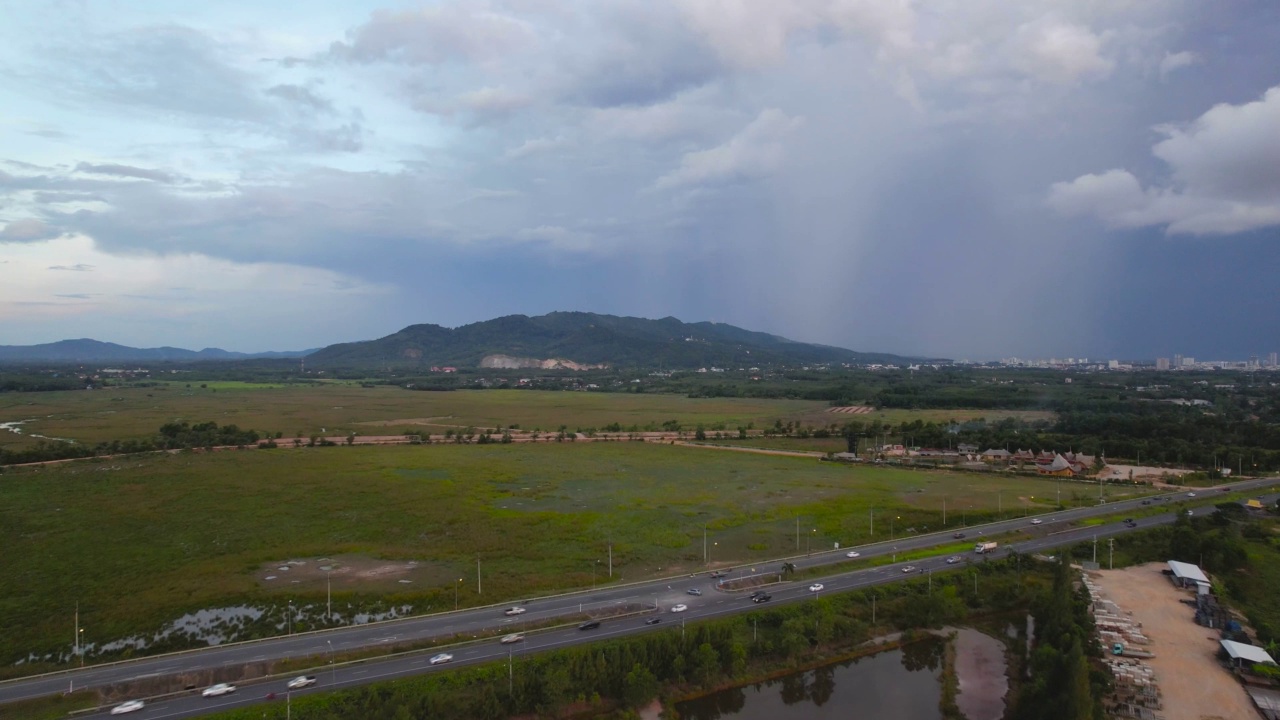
(589, 625)
(653, 621)
(1146, 502)
(958, 535)
(757, 594)
(763, 597)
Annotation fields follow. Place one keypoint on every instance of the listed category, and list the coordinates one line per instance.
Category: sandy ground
(1140, 472)
(982, 674)
(1193, 683)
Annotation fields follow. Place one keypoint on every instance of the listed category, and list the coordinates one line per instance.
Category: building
(1177, 361)
(1162, 363)
(1271, 360)
(1058, 467)
(1187, 575)
(1242, 655)
(996, 455)
(1188, 362)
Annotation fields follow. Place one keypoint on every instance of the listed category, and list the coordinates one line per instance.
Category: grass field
(140, 540)
(122, 413)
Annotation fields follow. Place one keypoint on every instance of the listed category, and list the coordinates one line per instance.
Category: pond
(903, 684)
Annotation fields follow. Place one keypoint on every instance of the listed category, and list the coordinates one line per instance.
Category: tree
(639, 686)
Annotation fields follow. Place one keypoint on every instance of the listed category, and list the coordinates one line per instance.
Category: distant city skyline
(979, 180)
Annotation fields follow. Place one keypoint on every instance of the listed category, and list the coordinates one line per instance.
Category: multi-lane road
(1053, 530)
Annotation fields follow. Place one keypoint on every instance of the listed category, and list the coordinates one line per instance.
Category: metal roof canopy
(1250, 653)
(1187, 571)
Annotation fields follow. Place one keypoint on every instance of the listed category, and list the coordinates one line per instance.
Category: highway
(1052, 531)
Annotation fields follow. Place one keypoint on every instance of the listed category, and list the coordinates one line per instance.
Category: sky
(953, 178)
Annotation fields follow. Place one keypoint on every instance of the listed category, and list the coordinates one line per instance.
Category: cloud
(72, 268)
(125, 171)
(453, 32)
(534, 146)
(27, 230)
(754, 152)
(301, 96)
(557, 237)
(1175, 61)
(1224, 177)
(1061, 52)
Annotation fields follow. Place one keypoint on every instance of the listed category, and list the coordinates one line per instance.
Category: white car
(517, 610)
(512, 638)
(853, 553)
(127, 707)
(953, 559)
(909, 569)
(301, 681)
(441, 658)
(816, 587)
(1036, 521)
(679, 608)
(1191, 494)
(218, 690)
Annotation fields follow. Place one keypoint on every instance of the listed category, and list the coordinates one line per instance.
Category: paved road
(1050, 532)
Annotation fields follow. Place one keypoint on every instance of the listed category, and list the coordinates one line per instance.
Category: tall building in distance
(1188, 362)
(1177, 361)
(1271, 360)
(1163, 363)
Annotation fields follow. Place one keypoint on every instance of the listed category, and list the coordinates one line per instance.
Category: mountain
(86, 350)
(587, 339)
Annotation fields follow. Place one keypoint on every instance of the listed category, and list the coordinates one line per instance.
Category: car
(589, 625)
(1191, 494)
(517, 610)
(218, 690)
(762, 597)
(1036, 521)
(512, 638)
(718, 574)
(441, 658)
(957, 535)
(301, 681)
(908, 569)
(953, 559)
(853, 553)
(127, 707)
(653, 621)
(1146, 502)
(693, 591)
(679, 608)
(1190, 513)
(816, 587)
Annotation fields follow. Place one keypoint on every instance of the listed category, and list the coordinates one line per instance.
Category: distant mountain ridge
(588, 338)
(87, 350)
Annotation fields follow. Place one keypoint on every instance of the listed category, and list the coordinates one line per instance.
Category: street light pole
(455, 593)
(290, 618)
(478, 590)
(328, 593)
(944, 511)
(333, 671)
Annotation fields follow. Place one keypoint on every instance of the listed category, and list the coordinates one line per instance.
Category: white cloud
(534, 146)
(1175, 61)
(454, 32)
(1225, 177)
(1061, 52)
(27, 230)
(754, 152)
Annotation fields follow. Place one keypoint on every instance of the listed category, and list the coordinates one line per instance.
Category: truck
(984, 547)
(1120, 649)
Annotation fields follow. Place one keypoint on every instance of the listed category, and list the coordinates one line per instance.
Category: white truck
(984, 547)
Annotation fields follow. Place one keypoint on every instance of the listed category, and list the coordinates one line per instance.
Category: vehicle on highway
(589, 625)
(1191, 494)
(653, 621)
(908, 569)
(953, 559)
(301, 681)
(853, 553)
(816, 587)
(1190, 513)
(517, 610)
(1036, 521)
(693, 591)
(762, 597)
(1130, 523)
(512, 638)
(127, 707)
(218, 690)
(719, 574)
(957, 535)
(441, 658)
(1146, 502)
(985, 547)
(679, 608)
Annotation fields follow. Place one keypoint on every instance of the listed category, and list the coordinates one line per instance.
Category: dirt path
(1194, 685)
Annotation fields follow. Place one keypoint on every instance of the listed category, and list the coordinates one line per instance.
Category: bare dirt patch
(1195, 686)
(350, 572)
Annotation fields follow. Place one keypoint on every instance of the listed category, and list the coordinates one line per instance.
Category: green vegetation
(613, 678)
(140, 540)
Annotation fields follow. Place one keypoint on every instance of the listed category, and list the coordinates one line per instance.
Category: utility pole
(1111, 547)
(610, 559)
(328, 595)
(1095, 549)
(478, 575)
(704, 542)
(511, 675)
(797, 533)
(944, 511)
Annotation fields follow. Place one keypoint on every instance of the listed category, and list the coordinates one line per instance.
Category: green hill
(589, 339)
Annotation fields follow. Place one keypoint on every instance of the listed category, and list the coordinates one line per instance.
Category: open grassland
(303, 410)
(140, 540)
(821, 417)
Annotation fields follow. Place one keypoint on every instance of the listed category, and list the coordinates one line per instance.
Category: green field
(338, 409)
(142, 539)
